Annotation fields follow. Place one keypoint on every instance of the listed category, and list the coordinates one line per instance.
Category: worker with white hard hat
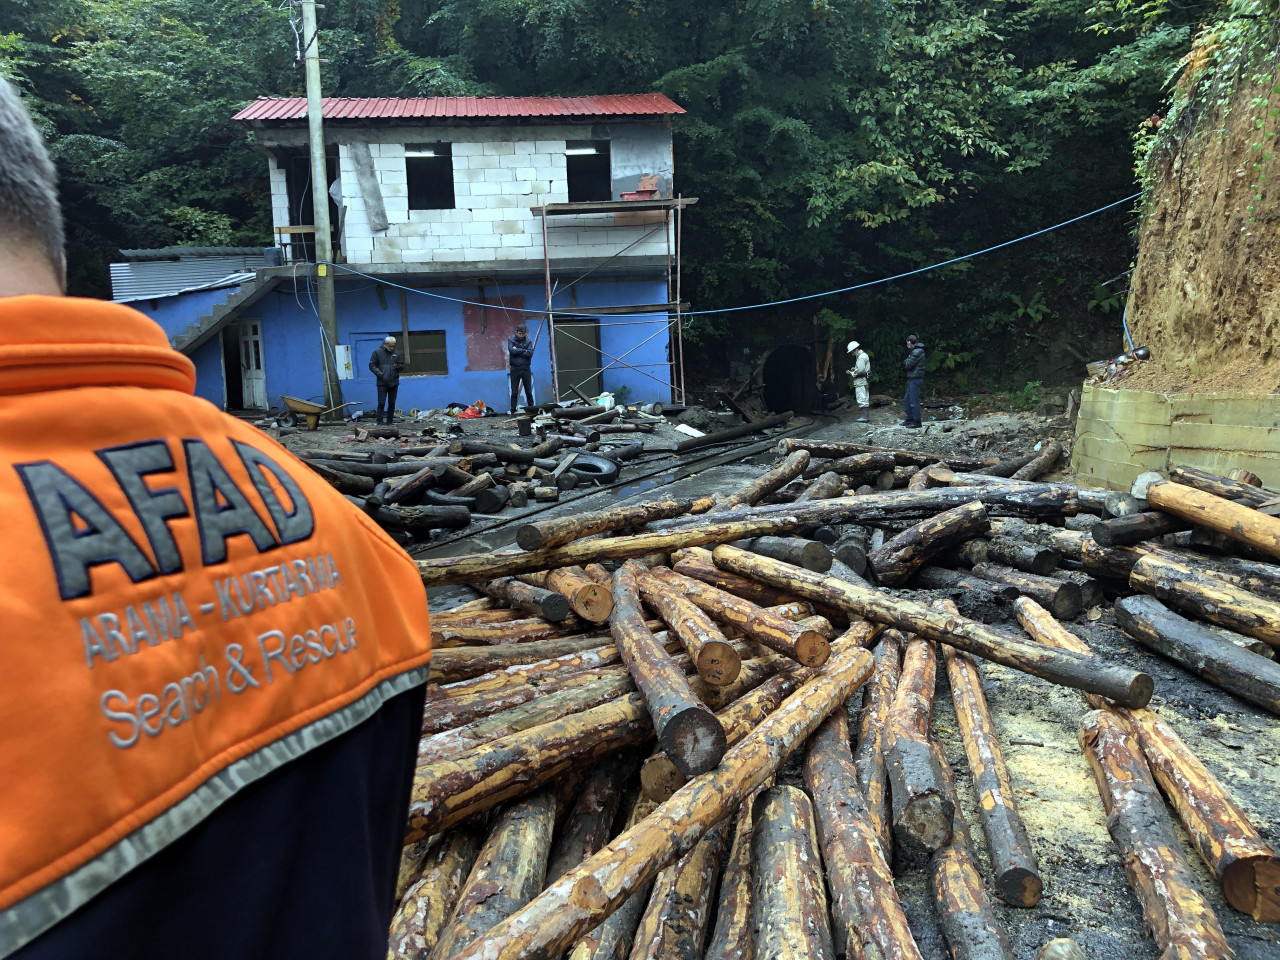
(861, 374)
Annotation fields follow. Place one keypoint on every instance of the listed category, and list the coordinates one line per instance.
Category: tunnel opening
(789, 380)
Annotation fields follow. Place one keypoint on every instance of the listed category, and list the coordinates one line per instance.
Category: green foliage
(1029, 397)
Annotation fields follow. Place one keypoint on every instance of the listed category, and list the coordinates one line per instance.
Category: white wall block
(499, 176)
(499, 147)
(482, 163)
(393, 149)
(418, 256)
(515, 189)
(447, 256)
(517, 240)
(467, 149)
(486, 189)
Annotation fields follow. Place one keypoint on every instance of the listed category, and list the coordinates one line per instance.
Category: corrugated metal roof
(181, 253)
(462, 108)
(150, 279)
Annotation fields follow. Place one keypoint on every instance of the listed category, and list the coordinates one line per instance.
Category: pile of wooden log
(606, 724)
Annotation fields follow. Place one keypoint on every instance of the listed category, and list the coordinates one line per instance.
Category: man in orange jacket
(213, 666)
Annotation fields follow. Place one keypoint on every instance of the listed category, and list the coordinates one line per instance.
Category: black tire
(290, 419)
(597, 469)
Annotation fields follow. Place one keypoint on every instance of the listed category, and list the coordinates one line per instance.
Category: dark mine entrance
(789, 380)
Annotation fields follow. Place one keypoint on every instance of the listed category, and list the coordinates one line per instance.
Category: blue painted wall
(179, 311)
(292, 342)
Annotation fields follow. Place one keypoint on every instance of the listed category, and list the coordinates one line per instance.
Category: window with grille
(424, 353)
(429, 170)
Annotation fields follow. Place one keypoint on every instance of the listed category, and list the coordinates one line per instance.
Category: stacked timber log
(605, 721)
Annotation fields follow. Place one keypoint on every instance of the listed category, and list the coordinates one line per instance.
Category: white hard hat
(853, 345)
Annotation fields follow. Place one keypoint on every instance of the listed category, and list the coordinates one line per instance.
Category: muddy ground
(1086, 894)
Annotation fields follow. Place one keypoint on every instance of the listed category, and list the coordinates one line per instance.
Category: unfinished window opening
(587, 167)
(429, 169)
(424, 353)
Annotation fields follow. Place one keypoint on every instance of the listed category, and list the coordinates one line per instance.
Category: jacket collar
(56, 343)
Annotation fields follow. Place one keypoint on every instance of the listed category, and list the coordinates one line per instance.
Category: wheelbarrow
(311, 412)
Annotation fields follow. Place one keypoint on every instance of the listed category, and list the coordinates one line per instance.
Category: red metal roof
(384, 108)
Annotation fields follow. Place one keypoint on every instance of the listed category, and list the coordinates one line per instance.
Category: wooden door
(253, 379)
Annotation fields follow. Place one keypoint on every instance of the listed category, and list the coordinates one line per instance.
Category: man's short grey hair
(29, 207)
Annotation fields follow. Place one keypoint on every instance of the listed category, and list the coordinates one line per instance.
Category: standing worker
(520, 365)
(915, 380)
(214, 665)
(861, 374)
(386, 364)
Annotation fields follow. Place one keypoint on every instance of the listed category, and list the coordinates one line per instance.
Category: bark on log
(1244, 476)
(429, 902)
(1063, 597)
(1201, 650)
(771, 480)
(868, 920)
(660, 777)
(1122, 531)
(612, 939)
(806, 646)
(1013, 862)
(851, 549)
(788, 892)
(940, 578)
(1005, 469)
(537, 601)
(526, 630)
(495, 499)
(448, 792)
(341, 480)
(922, 811)
(588, 598)
(1207, 597)
(731, 937)
(444, 712)
(1224, 487)
(1022, 556)
(698, 565)
(964, 912)
(674, 924)
(827, 485)
(1046, 459)
(1177, 914)
(733, 433)
(715, 659)
(417, 520)
(505, 454)
(588, 893)
(864, 465)
(481, 482)
(1125, 686)
(755, 671)
(688, 732)
(900, 557)
(917, 458)
(1240, 859)
(544, 534)
(1241, 523)
(590, 820)
(537, 711)
(507, 874)
(1247, 868)
(868, 756)
(447, 571)
(924, 478)
(463, 663)
(803, 553)
(1003, 499)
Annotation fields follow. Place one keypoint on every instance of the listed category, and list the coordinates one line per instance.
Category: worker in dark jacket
(386, 364)
(214, 665)
(520, 365)
(914, 364)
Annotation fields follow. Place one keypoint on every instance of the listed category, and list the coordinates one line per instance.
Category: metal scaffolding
(672, 212)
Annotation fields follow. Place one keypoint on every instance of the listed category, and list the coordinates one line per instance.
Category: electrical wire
(770, 303)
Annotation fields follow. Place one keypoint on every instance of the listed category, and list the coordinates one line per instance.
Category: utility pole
(326, 305)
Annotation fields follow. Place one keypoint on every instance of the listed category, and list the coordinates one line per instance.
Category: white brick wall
(495, 182)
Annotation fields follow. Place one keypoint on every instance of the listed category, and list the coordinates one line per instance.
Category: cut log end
(594, 602)
(529, 537)
(719, 663)
(812, 649)
(555, 607)
(695, 741)
(1141, 687)
(1019, 887)
(926, 822)
(1252, 886)
(816, 557)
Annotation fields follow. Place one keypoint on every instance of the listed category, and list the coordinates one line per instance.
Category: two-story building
(455, 219)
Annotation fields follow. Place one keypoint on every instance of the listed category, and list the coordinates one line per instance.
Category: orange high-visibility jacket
(184, 607)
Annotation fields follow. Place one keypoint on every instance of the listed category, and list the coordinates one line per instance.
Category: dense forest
(831, 141)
